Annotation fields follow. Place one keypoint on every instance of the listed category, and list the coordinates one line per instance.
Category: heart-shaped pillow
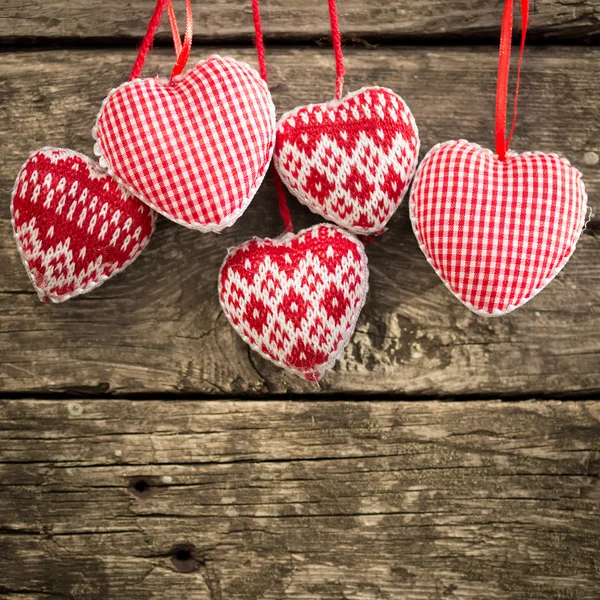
(195, 150)
(350, 160)
(496, 232)
(296, 299)
(75, 226)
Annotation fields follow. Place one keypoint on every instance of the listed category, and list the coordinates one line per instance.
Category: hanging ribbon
(336, 40)
(182, 51)
(174, 28)
(502, 142)
(258, 40)
(284, 208)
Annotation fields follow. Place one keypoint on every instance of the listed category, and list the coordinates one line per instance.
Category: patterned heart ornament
(350, 160)
(195, 149)
(75, 226)
(496, 232)
(296, 299)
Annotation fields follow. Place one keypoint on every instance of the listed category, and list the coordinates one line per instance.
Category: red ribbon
(182, 52)
(336, 40)
(258, 40)
(174, 28)
(502, 143)
(284, 209)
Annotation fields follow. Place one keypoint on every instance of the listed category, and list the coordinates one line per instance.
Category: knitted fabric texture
(75, 226)
(350, 160)
(296, 299)
(496, 232)
(195, 150)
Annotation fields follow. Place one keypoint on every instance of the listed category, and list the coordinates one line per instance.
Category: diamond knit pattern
(296, 299)
(496, 232)
(195, 150)
(350, 160)
(75, 226)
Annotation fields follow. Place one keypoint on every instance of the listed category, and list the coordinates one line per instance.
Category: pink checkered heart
(350, 160)
(296, 299)
(195, 150)
(496, 232)
(75, 226)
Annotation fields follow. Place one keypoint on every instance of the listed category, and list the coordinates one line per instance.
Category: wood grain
(300, 500)
(166, 498)
(221, 20)
(158, 327)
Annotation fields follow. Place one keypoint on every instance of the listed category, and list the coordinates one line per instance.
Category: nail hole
(183, 555)
(184, 559)
(140, 487)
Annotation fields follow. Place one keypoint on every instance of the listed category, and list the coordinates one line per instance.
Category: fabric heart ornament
(296, 299)
(75, 226)
(496, 231)
(497, 227)
(194, 148)
(350, 160)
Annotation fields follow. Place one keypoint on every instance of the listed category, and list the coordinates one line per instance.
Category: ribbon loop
(184, 53)
(502, 142)
(174, 28)
(336, 40)
(181, 51)
(284, 209)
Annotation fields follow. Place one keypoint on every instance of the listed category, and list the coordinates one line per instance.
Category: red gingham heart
(350, 160)
(75, 226)
(296, 299)
(496, 232)
(195, 150)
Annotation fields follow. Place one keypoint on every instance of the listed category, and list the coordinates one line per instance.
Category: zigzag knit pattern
(350, 160)
(75, 226)
(296, 299)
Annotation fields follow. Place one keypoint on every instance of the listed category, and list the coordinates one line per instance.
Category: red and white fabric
(350, 160)
(195, 150)
(75, 226)
(296, 299)
(496, 232)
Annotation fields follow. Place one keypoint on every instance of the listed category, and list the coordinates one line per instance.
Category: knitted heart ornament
(496, 232)
(194, 148)
(350, 160)
(75, 226)
(296, 299)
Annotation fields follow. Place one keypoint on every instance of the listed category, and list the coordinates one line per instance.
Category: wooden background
(145, 452)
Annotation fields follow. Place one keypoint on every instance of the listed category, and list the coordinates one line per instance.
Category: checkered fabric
(496, 232)
(196, 150)
(296, 299)
(75, 226)
(350, 160)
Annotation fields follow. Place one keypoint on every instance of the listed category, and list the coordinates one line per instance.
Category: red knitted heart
(496, 232)
(350, 160)
(75, 226)
(296, 299)
(195, 150)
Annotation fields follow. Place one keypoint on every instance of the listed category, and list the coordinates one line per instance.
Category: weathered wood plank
(225, 19)
(300, 500)
(158, 327)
